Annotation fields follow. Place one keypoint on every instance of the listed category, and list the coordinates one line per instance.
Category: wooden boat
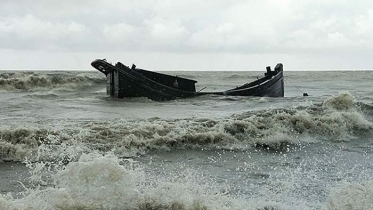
(123, 81)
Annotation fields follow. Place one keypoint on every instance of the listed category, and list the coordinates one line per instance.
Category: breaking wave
(338, 118)
(105, 182)
(98, 181)
(352, 196)
(40, 80)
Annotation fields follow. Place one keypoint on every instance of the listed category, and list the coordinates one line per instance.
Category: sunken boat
(123, 81)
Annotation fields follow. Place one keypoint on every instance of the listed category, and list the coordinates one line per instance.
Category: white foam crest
(39, 144)
(273, 129)
(342, 101)
(106, 182)
(352, 196)
(98, 181)
(31, 80)
(291, 126)
(19, 143)
(160, 134)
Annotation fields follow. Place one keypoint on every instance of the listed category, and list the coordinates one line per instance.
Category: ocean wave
(19, 144)
(365, 106)
(352, 196)
(234, 76)
(187, 76)
(106, 182)
(338, 118)
(31, 80)
(98, 181)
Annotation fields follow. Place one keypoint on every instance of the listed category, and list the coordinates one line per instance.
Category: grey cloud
(188, 26)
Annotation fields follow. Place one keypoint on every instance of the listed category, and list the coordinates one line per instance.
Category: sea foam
(337, 119)
(40, 80)
(352, 196)
(98, 181)
(106, 182)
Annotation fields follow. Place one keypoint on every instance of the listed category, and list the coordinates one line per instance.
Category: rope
(201, 90)
(293, 85)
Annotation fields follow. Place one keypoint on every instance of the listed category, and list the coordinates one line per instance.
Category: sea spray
(352, 196)
(96, 181)
(37, 144)
(106, 182)
(337, 119)
(342, 101)
(268, 153)
(263, 127)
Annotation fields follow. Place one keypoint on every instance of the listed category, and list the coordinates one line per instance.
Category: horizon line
(189, 70)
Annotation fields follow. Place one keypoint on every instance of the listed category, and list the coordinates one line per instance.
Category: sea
(66, 145)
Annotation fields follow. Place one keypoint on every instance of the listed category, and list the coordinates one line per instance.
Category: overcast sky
(187, 34)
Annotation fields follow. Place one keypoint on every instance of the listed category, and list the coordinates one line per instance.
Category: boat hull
(123, 81)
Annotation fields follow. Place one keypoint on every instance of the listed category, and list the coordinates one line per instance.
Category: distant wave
(240, 76)
(49, 96)
(40, 80)
(234, 76)
(338, 118)
(187, 76)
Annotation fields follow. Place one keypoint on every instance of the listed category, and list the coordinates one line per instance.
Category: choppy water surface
(64, 144)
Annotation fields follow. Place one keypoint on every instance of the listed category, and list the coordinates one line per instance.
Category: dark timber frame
(123, 81)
